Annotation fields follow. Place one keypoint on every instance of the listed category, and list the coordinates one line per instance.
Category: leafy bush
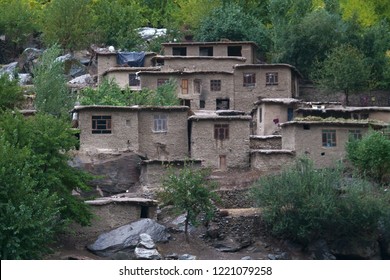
(304, 204)
(189, 191)
(10, 93)
(371, 155)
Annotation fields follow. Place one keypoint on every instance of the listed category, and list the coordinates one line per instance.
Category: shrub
(304, 204)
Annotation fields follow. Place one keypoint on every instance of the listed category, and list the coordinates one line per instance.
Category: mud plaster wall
(208, 149)
(309, 142)
(197, 64)
(169, 145)
(108, 217)
(124, 133)
(271, 162)
(104, 63)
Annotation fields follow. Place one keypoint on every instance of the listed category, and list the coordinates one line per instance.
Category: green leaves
(10, 92)
(36, 184)
(304, 204)
(189, 190)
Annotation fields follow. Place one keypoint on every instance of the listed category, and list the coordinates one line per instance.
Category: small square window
(160, 123)
(328, 138)
(271, 78)
(355, 134)
(223, 104)
(205, 51)
(215, 85)
(180, 51)
(101, 124)
(221, 131)
(160, 82)
(249, 79)
(134, 80)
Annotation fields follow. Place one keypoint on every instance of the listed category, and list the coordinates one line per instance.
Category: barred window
(249, 79)
(355, 134)
(101, 124)
(160, 123)
(328, 138)
(221, 131)
(271, 78)
(215, 85)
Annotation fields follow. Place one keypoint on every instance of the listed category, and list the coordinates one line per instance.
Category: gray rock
(25, 79)
(127, 237)
(319, 250)
(187, 257)
(246, 258)
(28, 59)
(356, 248)
(282, 256)
(146, 241)
(146, 254)
(9, 69)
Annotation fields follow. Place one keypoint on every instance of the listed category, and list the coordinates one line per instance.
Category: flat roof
(130, 69)
(266, 65)
(188, 57)
(278, 100)
(186, 72)
(227, 42)
(337, 122)
(129, 108)
(347, 109)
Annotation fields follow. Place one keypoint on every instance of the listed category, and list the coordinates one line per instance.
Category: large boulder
(28, 59)
(126, 238)
(117, 173)
(356, 248)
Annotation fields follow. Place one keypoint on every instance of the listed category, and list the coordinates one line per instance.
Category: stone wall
(235, 198)
(273, 142)
(271, 160)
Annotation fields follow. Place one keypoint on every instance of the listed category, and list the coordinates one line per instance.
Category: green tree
(304, 204)
(232, 23)
(49, 140)
(10, 92)
(371, 155)
(52, 94)
(17, 21)
(345, 69)
(67, 23)
(116, 22)
(165, 95)
(29, 218)
(189, 190)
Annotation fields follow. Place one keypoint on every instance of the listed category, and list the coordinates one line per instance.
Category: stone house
(324, 141)
(155, 132)
(271, 112)
(220, 139)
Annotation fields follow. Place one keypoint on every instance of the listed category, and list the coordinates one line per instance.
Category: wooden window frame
(215, 85)
(271, 78)
(221, 131)
(160, 123)
(329, 138)
(101, 124)
(249, 79)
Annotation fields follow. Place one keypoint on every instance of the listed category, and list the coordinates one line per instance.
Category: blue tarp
(133, 59)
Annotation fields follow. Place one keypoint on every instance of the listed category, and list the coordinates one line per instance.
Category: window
(202, 104)
(185, 102)
(134, 80)
(355, 134)
(184, 86)
(290, 114)
(328, 138)
(234, 51)
(271, 78)
(160, 82)
(197, 86)
(249, 79)
(221, 131)
(215, 85)
(101, 124)
(205, 51)
(222, 104)
(181, 51)
(160, 123)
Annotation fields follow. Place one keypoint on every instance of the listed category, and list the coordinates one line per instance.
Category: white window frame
(160, 123)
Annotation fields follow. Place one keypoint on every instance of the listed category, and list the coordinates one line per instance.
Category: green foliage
(17, 21)
(29, 218)
(371, 155)
(67, 23)
(304, 204)
(116, 22)
(109, 93)
(232, 23)
(165, 95)
(48, 140)
(345, 69)
(10, 92)
(52, 95)
(36, 184)
(189, 190)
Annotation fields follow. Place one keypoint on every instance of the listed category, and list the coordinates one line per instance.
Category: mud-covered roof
(215, 115)
(128, 108)
(286, 101)
(335, 122)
